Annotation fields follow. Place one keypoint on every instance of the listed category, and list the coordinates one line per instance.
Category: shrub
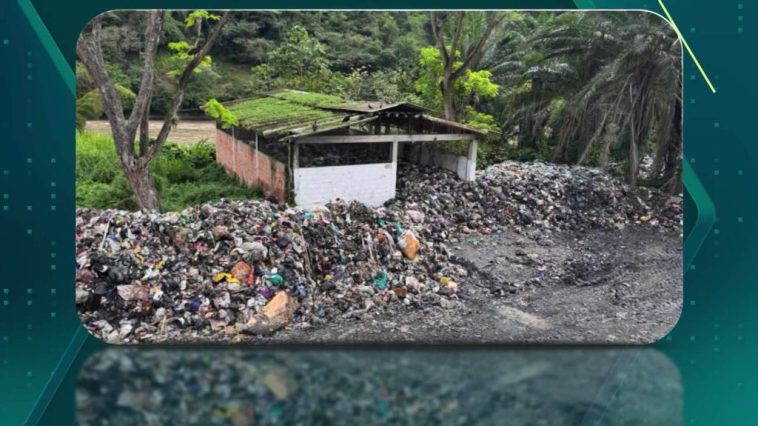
(96, 159)
(90, 106)
(113, 195)
(184, 175)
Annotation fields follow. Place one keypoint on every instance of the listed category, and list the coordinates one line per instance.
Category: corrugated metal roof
(454, 124)
(369, 107)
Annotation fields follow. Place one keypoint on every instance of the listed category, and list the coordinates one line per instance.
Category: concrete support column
(473, 145)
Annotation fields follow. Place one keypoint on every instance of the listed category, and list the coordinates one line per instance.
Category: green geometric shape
(706, 214)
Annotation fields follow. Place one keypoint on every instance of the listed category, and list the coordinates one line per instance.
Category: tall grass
(184, 174)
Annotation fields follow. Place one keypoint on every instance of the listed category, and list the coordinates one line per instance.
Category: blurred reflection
(461, 387)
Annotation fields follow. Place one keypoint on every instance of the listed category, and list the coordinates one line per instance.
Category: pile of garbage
(241, 270)
(248, 267)
(534, 198)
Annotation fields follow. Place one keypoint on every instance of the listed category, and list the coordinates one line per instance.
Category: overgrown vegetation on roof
(279, 115)
(308, 98)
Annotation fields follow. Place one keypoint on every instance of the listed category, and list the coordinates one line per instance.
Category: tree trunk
(136, 168)
(633, 161)
(532, 129)
(639, 123)
(144, 128)
(525, 139)
(448, 97)
(448, 55)
(672, 170)
(141, 181)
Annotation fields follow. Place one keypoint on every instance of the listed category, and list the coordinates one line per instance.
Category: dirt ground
(186, 132)
(603, 287)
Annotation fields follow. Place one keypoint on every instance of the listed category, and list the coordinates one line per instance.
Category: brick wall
(224, 145)
(251, 167)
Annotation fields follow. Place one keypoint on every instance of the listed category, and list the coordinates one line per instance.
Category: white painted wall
(371, 184)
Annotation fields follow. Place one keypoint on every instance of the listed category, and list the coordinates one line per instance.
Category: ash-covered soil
(602, 287)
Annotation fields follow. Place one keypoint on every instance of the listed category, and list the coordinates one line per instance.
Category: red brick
(251, 167)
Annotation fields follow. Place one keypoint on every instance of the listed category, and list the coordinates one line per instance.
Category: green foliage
(381, 49)
(241, 41)
(261, 79)
(387, 86)
(300, 61)
(478, 119)
(393, 86)
(220, 113)
(181, 57)
(540, 73)
(201, 15)
(428, 83)
(84, 82)
(281, 107)
(186, 163)
(90, 106)
(307, 98)
(113, 195)
(575, 79)
(478, 84)
(127, 97)
(556, 107)
(95, 158)
(185, 175)
(353, 85)
(469, 89)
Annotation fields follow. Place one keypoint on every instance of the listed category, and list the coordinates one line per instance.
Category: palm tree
(618, 79)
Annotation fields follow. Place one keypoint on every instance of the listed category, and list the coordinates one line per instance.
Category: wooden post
(295, 156)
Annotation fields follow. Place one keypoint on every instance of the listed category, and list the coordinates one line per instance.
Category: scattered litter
(227, 270)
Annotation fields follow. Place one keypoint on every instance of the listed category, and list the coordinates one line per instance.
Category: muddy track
(599, 287)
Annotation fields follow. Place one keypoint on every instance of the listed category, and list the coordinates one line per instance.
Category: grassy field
(186, 174)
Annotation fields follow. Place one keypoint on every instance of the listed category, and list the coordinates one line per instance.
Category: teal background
(42, 344)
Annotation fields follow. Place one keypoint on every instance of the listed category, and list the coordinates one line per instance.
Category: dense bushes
(185, 175)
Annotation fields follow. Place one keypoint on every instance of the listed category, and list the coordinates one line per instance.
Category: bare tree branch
(182, 85)
(448, 54)
(91, 55)
(478, 49)
(439, 38)
(457, 35)
(142, 102)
